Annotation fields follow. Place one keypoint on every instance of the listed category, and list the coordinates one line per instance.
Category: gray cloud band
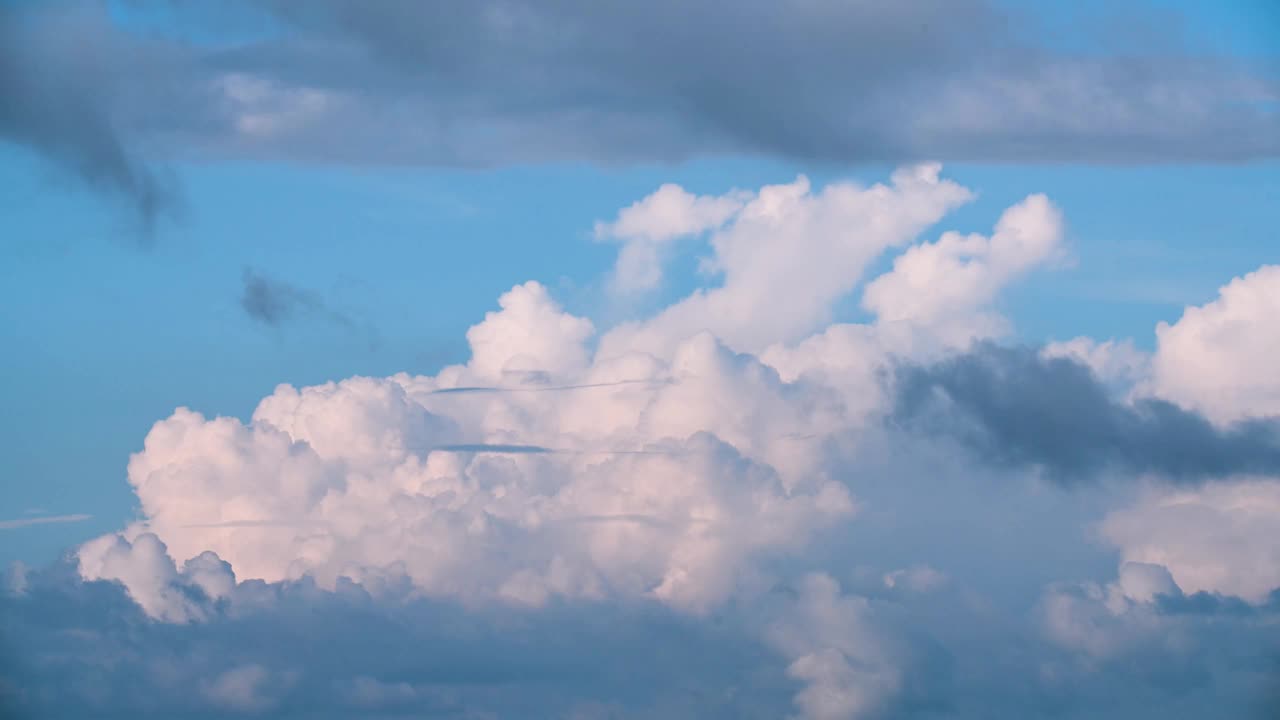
(488, 83)
(1012, 406)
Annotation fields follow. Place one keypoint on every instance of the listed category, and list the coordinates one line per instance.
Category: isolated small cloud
(277, 304)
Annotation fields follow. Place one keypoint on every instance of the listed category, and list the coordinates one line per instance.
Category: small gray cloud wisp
(274, 302)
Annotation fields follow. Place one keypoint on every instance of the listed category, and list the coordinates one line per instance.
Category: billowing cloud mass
(104, 93)
(786, 232)
(735, 507)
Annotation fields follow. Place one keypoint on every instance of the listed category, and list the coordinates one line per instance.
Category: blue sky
(203, 203)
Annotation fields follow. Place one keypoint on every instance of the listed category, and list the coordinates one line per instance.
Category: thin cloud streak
(47, 520)
(513, 449)
(549, 388)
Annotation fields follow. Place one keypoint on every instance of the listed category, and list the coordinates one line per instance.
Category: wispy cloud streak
(45, 520)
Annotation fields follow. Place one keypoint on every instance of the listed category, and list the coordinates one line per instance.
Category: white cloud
(529, 335)
(788, 255)
(835, 651)
(1116, 362)
(1219, 538)
(145, 569)
(1220, 358)
(648, 225)
(946, 285)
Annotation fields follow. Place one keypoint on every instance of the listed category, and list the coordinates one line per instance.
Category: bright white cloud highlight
(649, 225)
(941, 284)
(788, 255)
(1220, 358)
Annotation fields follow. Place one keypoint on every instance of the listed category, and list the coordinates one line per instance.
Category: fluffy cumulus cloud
(786, 232)
(648, 225)
(108, 94)
(734, 507)
(1218, 358)
(940, 284)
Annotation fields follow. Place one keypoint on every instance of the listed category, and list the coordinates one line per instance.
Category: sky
(824, 360)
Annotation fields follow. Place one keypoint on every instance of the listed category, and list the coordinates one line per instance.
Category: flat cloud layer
(716, 511)
(104, 92)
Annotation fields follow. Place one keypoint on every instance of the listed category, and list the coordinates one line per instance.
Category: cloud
(827, 236)
(1115, 362)
(530, 334)
(1216, 539)
(147, 573)
(648, 225)
(835, 652)
(42, 520)
(941, 283)
(274, 302)
(1017, 406)
(497, 83)
(813, 648)
(65, 98)
(540, 388)
(691, 516)
(494, 448)
(243, 689)
(291, 649)
(1218, 358)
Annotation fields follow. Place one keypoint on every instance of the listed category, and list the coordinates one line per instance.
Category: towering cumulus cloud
(732, 508)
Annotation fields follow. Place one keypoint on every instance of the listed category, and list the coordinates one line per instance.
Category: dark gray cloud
(71, 650)
(498, 82)
(275, 302)
(68, 80)
(1013, 406)
(841, 82)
